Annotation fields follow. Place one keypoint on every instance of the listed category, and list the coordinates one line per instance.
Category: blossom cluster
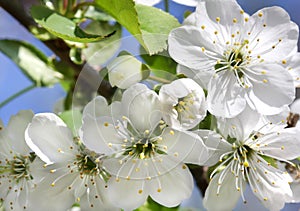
(240, 71)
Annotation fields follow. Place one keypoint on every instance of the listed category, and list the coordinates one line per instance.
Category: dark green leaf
(151, 205)
(31, 61)
(61, 26)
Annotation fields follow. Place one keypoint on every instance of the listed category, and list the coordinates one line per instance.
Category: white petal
(166, 193)
(191, 94)
(15, 131)
(220, 8)
(136, 192)
(283, 145)
(295, 186)
(188, 46)
(270, 185)
(225, 97)
(293, 67)
(96, 107)
(274, 88)
(201, 77)
(124, 71)
(295, 107)
(184, 146)
(50, 138)
(227, 196)
(141, 105)
(239, 127)
(277, 26)
(216, 145)
(101, 135)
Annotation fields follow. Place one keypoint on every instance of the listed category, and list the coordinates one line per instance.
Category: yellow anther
(117, 180)
(147, 132)
(263, 72)
(140, 191)
(142, 155)
(53, 184)
(282, 147)
(218, 19)
(109, 144)
(78, 199)
(130, 153)
(246, 164)
(234, 20)
(52, 171)
(203, 27)
(216, 32)
(172, 132)
(148, 178)
(260, 14)
(283, 61)
(203, 49)
(128, 178)
(232, 35)
(59, 150)
(183, 166)
(265, 81)
(265, 199)
(246, 19)
(264, 25)
(238, 189)
(106, 124)
(273, 46)
(158, 190)
(176, 154)
(241, 11)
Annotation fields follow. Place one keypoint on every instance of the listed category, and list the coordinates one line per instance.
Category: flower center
(184, 105)
(18, 168)
(89, 163)
(242, 153)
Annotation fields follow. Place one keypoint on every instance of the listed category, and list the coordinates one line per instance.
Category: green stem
(167, 5)
(160, 80)
(11, 98)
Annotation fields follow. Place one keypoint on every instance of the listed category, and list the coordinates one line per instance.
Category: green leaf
(61, 26)
(34, 64)
(95, 14)
(98, 53)
(149, 25)
(73, 119)
(161, 62)
(151, 205)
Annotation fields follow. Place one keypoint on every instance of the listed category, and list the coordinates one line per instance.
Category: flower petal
(216, 145)
(15, 131)
(270, 185)
(283, 145)
(125, 71)
(184, 146)
(190, 47)
(239, 127)
(276, 33)
(227, 196)
(293, 67)
(141, 105)
(50, 138)
(272, 85)
(101, 135)
(201, 77)
(166, 193)
(225, 97)
(136, 193)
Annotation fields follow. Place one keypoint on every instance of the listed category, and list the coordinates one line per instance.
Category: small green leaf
(61, 26)
(149, 25)
(151, 205)
(72, 118)
(34, 64)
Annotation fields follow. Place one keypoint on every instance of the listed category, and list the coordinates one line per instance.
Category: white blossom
(74, 173)
(147, 156)
(125, 70)
(245, 161)
(183, 103)
(244, 54)
(18, 168)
